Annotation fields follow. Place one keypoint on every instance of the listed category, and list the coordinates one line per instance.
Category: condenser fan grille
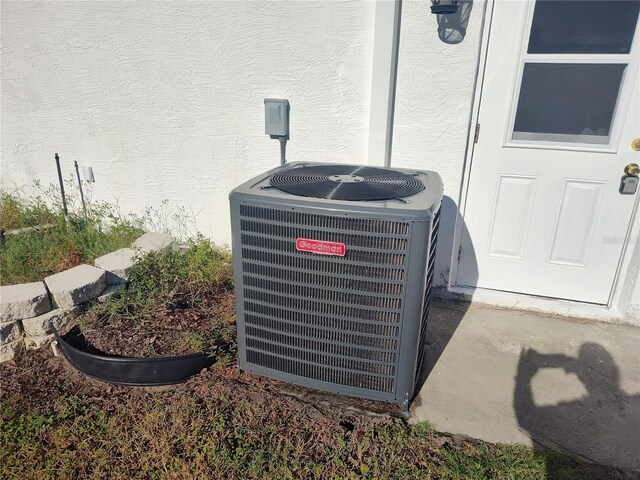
(346, 182)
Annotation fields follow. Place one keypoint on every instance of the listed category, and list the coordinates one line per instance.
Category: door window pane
(583, 26)
(565, 102)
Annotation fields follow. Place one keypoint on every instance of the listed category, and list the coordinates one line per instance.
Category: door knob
(635, 144)
(632, 169)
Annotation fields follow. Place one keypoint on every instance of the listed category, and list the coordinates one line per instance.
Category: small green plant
(176, 219)
(63, 243)
(200, 268)
(16, 213)
(177, 302)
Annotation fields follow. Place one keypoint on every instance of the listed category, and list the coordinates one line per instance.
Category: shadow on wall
(603, 426)
(448, 217)
(453, 28)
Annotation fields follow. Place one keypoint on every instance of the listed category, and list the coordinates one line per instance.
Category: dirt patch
(35, 380)
(182, 326)
(172, 328)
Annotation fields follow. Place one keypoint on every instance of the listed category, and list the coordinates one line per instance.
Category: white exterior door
(559, 111)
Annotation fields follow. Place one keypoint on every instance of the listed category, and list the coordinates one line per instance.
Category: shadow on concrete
(602, 426)
(444, 317)
(582, 410)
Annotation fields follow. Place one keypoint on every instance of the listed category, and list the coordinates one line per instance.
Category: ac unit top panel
(412, 194)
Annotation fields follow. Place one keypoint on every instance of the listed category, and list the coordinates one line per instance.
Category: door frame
(618, 299)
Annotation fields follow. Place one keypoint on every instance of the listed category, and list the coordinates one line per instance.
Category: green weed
(177, 301)
(16, 213)
(32, 255)
(174, 279)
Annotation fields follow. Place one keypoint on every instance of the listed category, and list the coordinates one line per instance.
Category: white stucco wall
(629, 282)
(434, 97)
(634, 307)
(165, 100)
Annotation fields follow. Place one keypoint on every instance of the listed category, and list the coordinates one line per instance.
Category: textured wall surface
(435, 87)
(630, 278)
(165, 100)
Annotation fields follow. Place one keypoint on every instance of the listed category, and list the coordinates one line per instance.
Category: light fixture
(444, 7)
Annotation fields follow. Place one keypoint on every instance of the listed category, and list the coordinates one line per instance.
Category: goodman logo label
(323, 248)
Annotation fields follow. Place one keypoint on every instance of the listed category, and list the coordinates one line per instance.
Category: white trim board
(383, 81)
(548, 306)
(466, 167)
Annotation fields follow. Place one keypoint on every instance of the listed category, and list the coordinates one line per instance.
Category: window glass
(583, 26)
(567, 102)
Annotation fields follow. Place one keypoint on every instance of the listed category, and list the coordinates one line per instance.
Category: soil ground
(176, 328)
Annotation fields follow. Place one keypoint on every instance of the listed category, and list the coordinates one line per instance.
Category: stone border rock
(27, 315)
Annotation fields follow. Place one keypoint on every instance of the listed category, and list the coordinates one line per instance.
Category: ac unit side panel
(428, 289)
(411, 315)
(326, 386)
(236, 247)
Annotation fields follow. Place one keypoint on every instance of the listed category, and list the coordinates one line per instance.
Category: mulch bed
(37, 379)
(41, 378)
(176, 328)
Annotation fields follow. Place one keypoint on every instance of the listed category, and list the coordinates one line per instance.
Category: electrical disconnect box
(276, 122)
(276, 117)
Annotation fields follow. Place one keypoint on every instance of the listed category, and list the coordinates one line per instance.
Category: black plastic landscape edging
(130, 371)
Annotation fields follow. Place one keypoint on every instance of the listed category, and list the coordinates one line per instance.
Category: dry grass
(225, 425)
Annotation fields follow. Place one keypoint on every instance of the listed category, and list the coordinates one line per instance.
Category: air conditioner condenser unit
(333, 269)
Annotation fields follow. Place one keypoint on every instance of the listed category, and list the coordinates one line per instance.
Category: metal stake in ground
(84, 207)
(64, 200)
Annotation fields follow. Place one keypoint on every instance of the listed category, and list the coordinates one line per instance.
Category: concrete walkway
(515, 377)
